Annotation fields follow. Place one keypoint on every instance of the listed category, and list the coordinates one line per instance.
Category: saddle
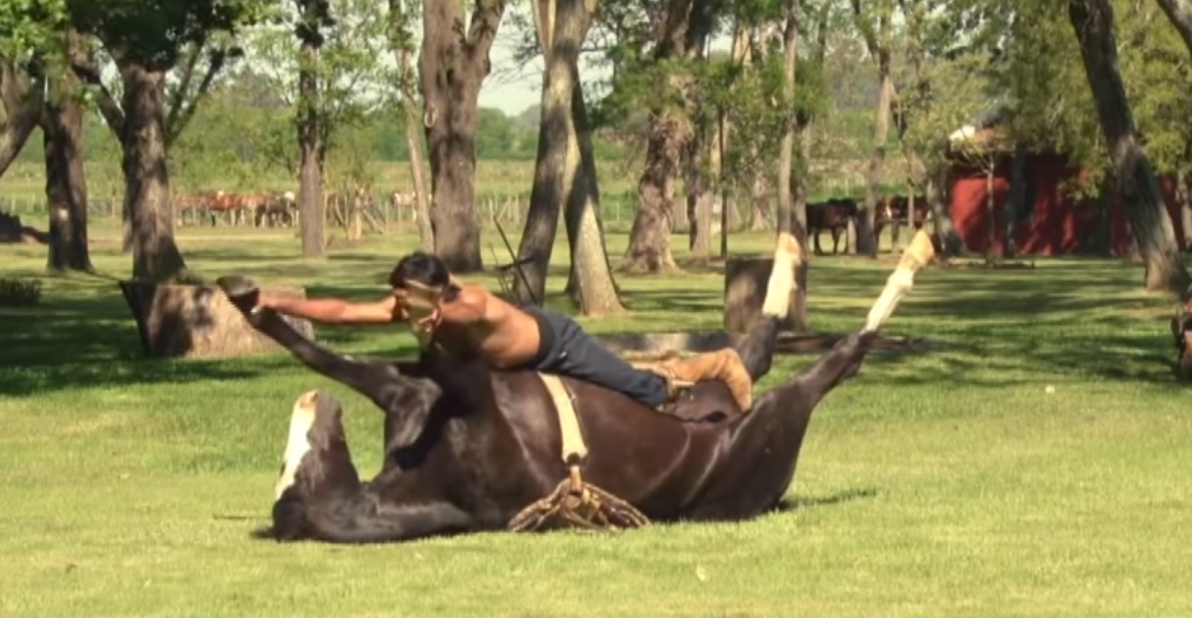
(574, 503)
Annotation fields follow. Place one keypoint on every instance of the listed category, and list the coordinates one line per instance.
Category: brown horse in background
(467, 447)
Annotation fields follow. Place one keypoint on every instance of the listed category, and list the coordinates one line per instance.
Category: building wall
(1058, 223)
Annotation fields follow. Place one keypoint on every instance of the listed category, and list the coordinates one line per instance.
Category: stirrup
(674, 386)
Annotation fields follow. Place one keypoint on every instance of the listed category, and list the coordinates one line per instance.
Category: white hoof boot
(297, 445)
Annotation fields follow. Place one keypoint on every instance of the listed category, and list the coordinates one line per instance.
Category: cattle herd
(835, 215)
(278, 208)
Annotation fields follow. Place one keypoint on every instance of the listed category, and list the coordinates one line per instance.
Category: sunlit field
(1031, 458)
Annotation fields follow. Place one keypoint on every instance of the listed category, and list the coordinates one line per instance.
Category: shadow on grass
(800, 502)
(91, 342)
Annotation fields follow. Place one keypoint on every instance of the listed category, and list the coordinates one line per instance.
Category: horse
(1181, 332)
(833, 215)
(467, 448)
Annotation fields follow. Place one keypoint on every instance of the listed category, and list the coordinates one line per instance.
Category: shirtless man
(468, 320)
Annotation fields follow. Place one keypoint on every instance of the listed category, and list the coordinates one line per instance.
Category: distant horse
(1181, 331)
(466, 447)
(833, 215)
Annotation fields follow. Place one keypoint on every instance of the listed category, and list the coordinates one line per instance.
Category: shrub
(19, 292)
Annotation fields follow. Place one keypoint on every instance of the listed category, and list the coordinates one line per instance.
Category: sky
(512, 90)
(506, 89)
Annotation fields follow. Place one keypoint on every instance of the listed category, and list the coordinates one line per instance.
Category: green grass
(947, 482)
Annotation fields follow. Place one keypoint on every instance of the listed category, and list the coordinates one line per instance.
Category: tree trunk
(687, 23)
(990, 216)
(941, 216)
(561, 26)
(1185, 201)
(156, 257)
(649, 238)
(311, 214)
(1017, 202)
(1092, 21)
(66, 186)
(399, 39)
(452, 68)
(597, 290)
(23, 103)
(1179, 12)
(786, 152)
(699, 198)
(426, 233)
(867, 241)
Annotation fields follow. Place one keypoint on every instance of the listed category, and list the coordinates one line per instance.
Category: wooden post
(745, 281)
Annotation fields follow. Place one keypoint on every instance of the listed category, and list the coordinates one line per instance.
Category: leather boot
(724, 365)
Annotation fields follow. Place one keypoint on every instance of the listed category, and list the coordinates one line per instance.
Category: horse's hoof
(241, 290)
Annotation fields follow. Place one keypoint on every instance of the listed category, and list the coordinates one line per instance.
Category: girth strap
(575, 450)
(575, 502)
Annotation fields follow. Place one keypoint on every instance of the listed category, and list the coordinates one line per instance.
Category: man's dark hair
(424, 268)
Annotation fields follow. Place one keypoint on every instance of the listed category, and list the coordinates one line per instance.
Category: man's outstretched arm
(333, 310)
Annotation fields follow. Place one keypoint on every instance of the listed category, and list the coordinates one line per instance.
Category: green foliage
(232, 141)
(153, 33)
(352, 79)
(1158, 83)
(28, 27)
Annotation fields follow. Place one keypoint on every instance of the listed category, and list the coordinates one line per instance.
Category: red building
(1055, 222)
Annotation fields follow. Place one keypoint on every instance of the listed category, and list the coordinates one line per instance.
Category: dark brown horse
(833, 215)
(466, 448)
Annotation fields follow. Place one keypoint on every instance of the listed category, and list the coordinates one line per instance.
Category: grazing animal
(833, 215)
(1181, 331)
(467, 448)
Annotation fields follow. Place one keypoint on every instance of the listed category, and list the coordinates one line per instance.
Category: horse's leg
(745, 480)
(757, 348)
(378, 380)
(319, 494)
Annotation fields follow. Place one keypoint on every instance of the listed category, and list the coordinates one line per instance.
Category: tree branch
(184, 107)
(84, 66)
(1179, 12)
(23, 104)
(486, 18)
(866, 28)
(178, 94)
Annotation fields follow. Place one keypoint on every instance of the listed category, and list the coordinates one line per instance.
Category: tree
(403, 48)
(1179, 12)
(929, 108)
(878, 42)
(685, 26)
(565, 172)
(66, 185)
(1093, 24)
(146, 40)
(452, 67)
(37, 88)
(323, 61)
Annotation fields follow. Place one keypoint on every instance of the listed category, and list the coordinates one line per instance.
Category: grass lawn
(1035, 462)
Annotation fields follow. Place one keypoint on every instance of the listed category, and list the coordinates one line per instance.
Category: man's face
(420, 307)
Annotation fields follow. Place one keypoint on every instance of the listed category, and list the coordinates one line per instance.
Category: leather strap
(575, 450)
